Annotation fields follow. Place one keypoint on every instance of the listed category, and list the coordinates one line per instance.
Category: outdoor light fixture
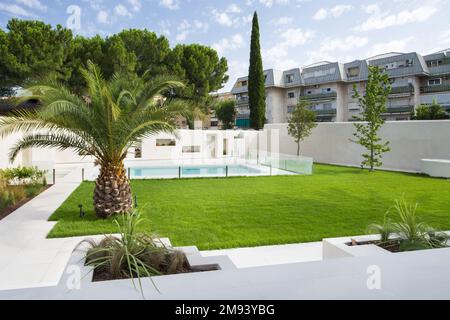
(82, 213)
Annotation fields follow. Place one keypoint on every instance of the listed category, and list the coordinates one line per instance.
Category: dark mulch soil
(392, 246)
(101, 274)
(7, 211)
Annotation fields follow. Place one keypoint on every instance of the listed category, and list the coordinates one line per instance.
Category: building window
(434, 63)
(290, 109)
(319, 73)
(291, 95)
(166, 143)
(353, 72)
(309, 92)
(435, 82)
(289, 78)
(138, 150)
(191, 149)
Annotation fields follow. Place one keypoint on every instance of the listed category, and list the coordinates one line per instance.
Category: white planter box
(436, 168)
(338, 247)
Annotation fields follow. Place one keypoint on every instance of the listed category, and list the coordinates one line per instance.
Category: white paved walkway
(27, 258)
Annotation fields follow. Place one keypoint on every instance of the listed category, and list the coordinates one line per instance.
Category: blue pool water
(192, 171)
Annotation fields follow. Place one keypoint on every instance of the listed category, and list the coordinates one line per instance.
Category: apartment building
(328, 86)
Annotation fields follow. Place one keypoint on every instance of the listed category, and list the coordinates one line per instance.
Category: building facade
(328, 86)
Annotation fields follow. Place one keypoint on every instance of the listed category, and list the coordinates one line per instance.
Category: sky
(294, 33)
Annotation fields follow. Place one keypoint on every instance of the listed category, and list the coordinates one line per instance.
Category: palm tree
(110, 119)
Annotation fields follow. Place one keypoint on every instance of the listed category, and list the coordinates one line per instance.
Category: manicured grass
(238, 212)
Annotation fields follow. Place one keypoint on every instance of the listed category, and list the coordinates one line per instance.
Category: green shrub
(33, 190)
(133, 254)
(23, 175)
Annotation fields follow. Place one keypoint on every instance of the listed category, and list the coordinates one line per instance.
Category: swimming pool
(194, 171)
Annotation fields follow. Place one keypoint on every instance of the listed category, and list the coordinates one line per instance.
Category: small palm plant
(133, 254)
(110, 119)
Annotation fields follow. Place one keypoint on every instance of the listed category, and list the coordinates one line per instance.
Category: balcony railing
(319, 96)
(431, 89)
(402, 109)
(328, 112)
(404, 89)
(242, 100)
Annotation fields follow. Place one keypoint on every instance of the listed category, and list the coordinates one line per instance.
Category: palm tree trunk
(112, 193)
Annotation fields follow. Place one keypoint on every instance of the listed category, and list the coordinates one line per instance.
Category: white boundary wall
(410, 142)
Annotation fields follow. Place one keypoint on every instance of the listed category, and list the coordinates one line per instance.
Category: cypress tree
(256, 81)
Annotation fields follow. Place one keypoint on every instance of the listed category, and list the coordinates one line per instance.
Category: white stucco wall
(239, 144)
(5, 146)
(410, 142)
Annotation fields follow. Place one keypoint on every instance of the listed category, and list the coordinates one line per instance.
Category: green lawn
(237, 212)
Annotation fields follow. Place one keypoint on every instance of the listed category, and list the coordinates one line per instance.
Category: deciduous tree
(301, 122)
(373, 104)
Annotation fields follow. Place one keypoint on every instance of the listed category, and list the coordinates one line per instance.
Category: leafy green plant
(414, 234)
(411, 233)
(23, 175)
(373, 104)
(133, 254)
(226, 113)
(301, 123)
(385, 230)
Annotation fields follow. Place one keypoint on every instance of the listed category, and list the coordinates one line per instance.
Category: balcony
(432, 89)
(402, 90)
(325, 113)
(319, 96)
(240, 101)
(401, 109)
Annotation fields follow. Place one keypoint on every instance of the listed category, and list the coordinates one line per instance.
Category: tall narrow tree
(256, 80)
(373, 104)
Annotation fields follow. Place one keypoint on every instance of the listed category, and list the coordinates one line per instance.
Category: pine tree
(256, 81)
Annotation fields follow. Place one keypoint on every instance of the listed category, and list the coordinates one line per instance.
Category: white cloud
(321, 14)
(270, 3)
(284, 21)
(445, 38)
(230, 16)
(15, 10)
(33, 4)
(277, 55)
(391, 46)
(226, 44)
(136, 5)
(381, 20)
(340, 10)
(185, 28)
(103, 17)
(170, 4)
(334, 12)
(122, 11)
(337, 49)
